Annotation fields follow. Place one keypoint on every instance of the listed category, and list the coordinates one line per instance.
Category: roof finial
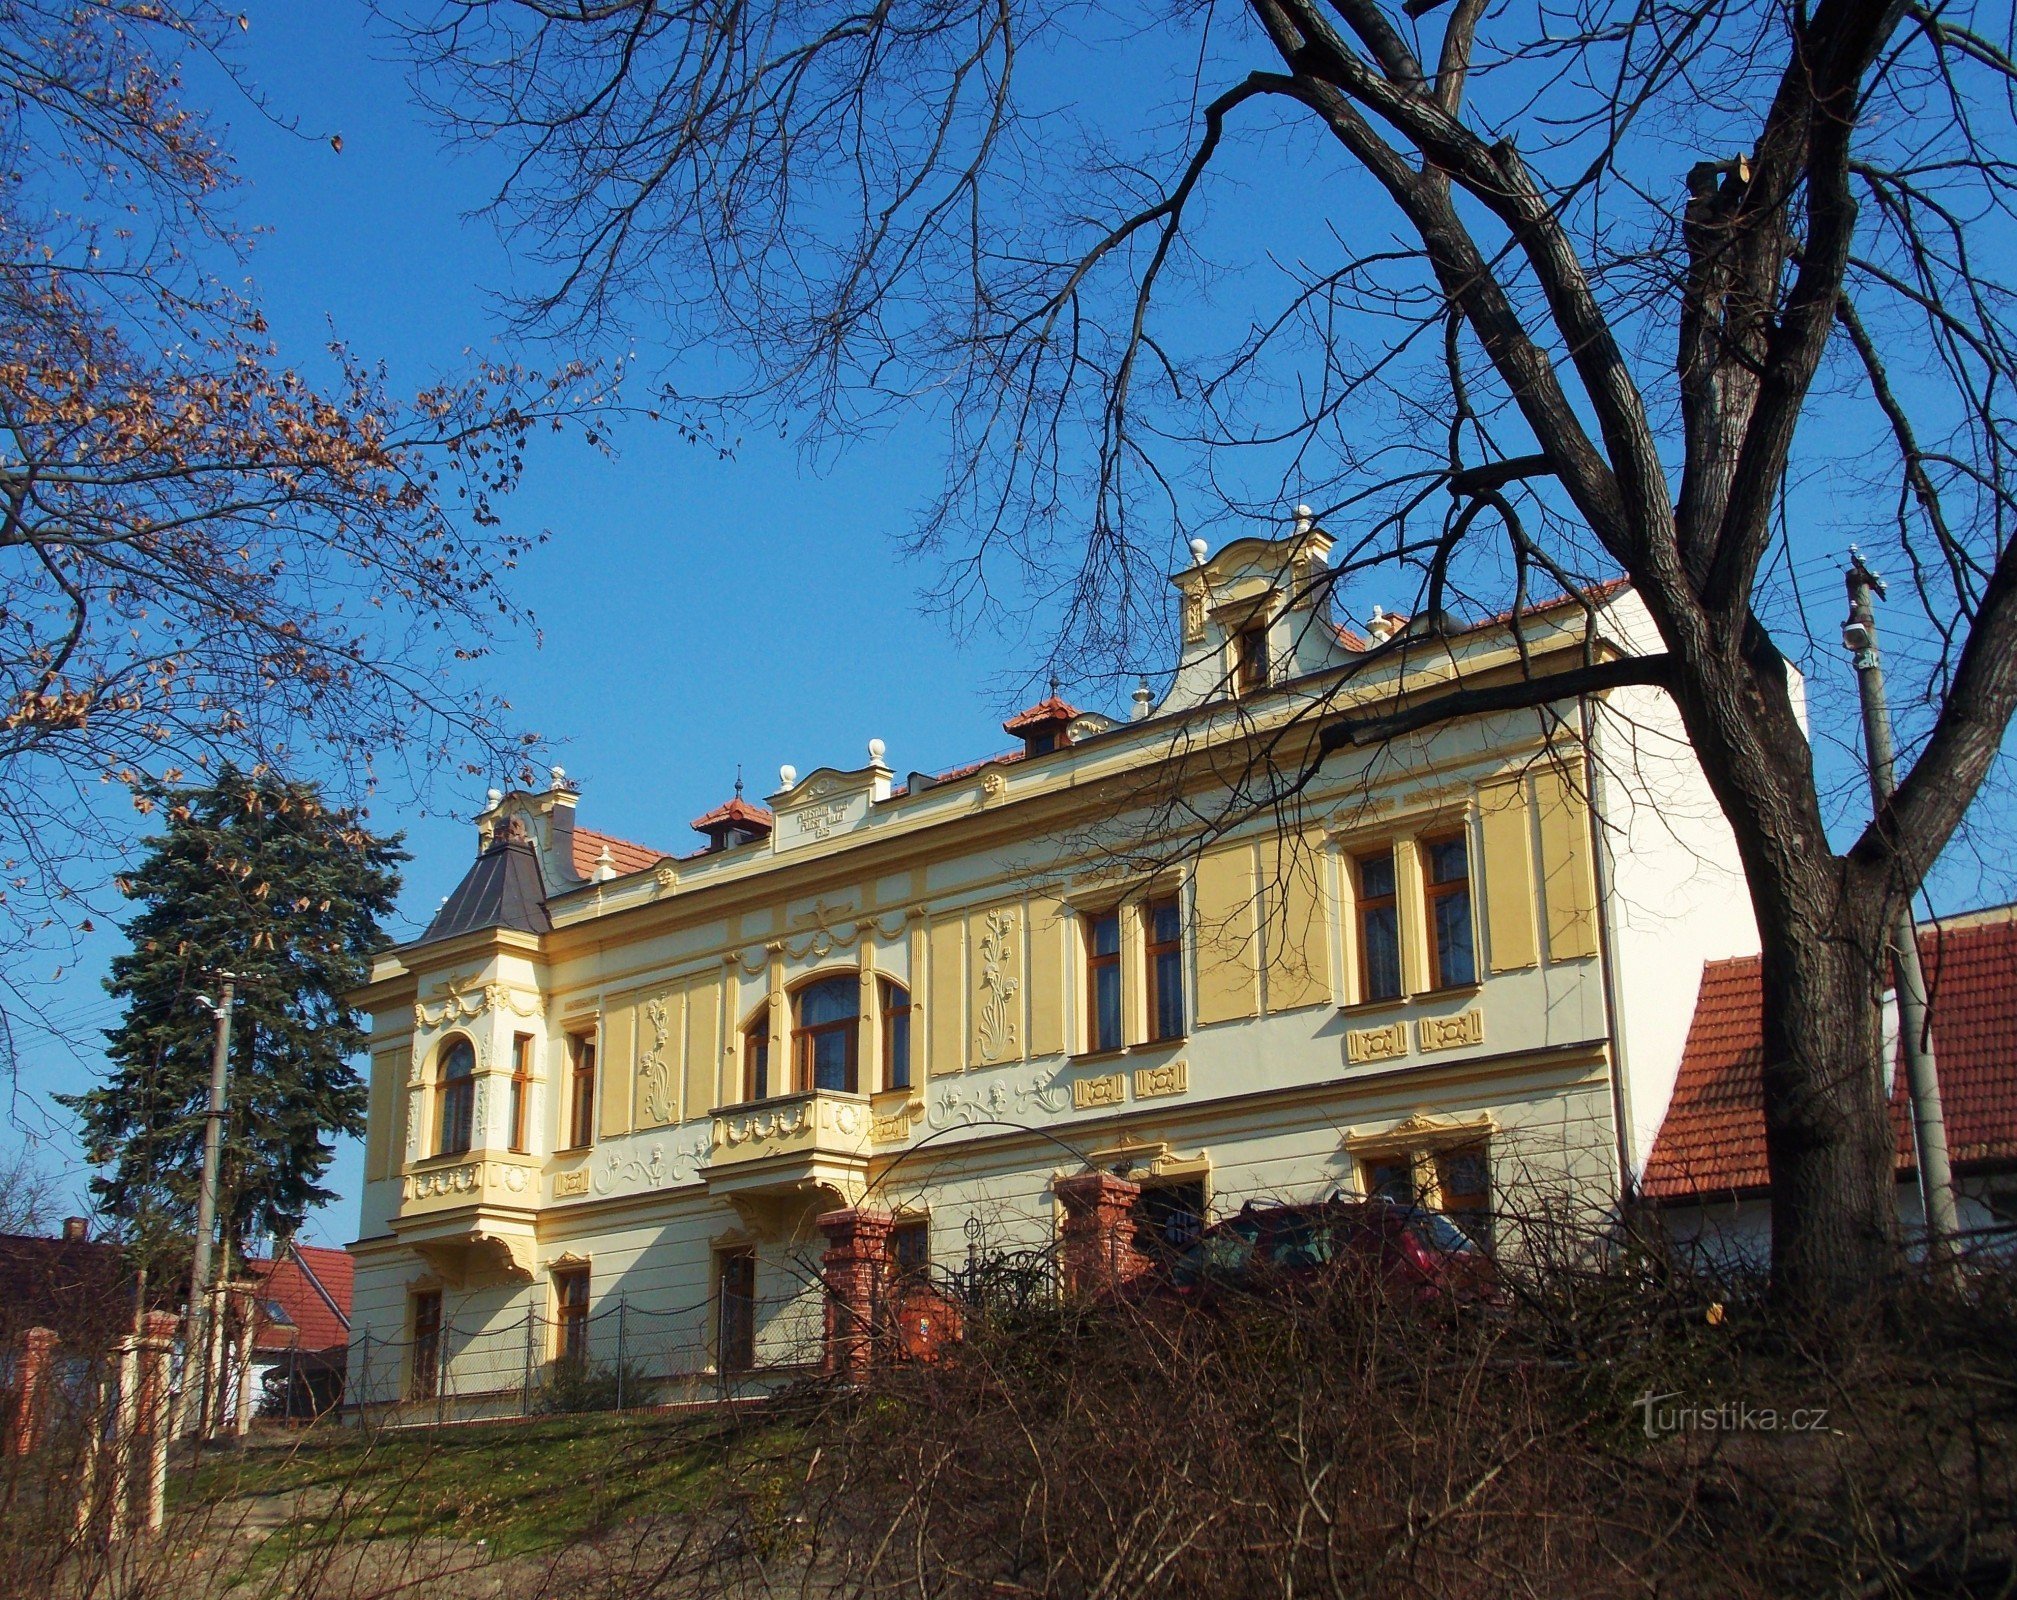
(738, 780)
(1054, 685)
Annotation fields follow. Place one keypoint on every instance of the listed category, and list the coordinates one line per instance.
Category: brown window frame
(424, 1380)
(521, 1092)
(1434, 890)
(1098, 963)
(906, 1260)
(738, 1262)
(581, 1070)
(756, 1059)
(805, 1039)
(1366, 905)
(1252, 668)
(888, 991)
(455, 1101)
(1154, 950)
(572, 1290)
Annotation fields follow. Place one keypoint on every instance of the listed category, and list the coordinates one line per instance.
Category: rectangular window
(570, 1299)
(424, 1382)
(1250, 661)
(521, 1090)
(895, 1036)
(1379, 929)
(1464, 1179)
(735, 1324)
(756, 1063)
(1169, 1218)
(910, 1247)
(1103, 981)
(581, 1092)
(1166, 968)
(1392, 1178)
(1448, 891)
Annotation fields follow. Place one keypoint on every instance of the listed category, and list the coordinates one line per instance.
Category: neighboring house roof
(304, 1300)
(623, 854)
(81, 1288)
(501, 889)
(1712, 1142)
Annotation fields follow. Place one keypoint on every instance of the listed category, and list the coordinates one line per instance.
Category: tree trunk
(1827, 1130)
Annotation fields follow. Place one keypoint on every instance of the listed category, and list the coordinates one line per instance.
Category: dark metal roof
(502, 890)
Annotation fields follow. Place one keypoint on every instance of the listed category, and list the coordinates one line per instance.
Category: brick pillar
(854, 1267)
(33, 1349)
(1099, 1253)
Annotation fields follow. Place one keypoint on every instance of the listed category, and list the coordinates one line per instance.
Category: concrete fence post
(157, 1344)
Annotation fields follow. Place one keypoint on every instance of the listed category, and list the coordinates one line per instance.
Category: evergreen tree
(256, 877)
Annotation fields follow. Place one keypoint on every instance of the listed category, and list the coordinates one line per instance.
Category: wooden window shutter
(1568, 885)
(1508, 828)
(1297, 932)
(1223, 902)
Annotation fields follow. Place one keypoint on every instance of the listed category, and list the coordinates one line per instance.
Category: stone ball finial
(493, 795)
(1198, 549)
(875, 750)
(558, 775)
(787, 775)
(1305, 519)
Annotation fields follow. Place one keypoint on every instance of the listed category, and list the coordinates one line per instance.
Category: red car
(1281, 1248)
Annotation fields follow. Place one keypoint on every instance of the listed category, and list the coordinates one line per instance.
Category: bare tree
(1563, 291)
(206, 556)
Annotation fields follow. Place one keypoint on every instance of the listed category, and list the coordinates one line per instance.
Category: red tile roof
(1041, 715)
(737, 813)
(1713, 1139)
(628, 857)
(308, 1320)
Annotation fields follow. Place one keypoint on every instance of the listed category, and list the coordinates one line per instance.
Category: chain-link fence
(622, 1355)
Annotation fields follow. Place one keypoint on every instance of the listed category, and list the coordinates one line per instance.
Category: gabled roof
(81, 1288)
(304, 1299)
(1712, 1142)
(627, 857)
(502, 889)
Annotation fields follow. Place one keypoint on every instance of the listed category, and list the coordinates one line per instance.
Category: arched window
(457, 1094)
(895, 1035)
(825, 1036)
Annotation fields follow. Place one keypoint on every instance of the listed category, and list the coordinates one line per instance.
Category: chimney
(76, 1230)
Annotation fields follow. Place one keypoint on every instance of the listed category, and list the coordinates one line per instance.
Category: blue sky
(695, 613)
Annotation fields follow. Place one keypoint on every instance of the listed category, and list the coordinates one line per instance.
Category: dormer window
(1250, 660)
(736, 823)
(1045, 726)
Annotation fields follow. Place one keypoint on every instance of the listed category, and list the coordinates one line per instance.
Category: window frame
(1434, 891)
(740, 1258)
(917, 1264)
(1097, 964)
(1363, 908)
(455, 1098)
(1253, 666)
(756, 1057)
(424, 1382)
(887, 1014)
(521, 1094)
(581, 1086)
(805, 1037)
(570, 1313)
(1154, 951)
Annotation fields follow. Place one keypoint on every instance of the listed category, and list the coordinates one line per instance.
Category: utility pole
(1929, 1126)
(196, 1338)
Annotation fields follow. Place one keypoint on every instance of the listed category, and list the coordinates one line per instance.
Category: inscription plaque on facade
(891, 1129)
(567, 1183)
(1451, 1033)
(1388, 1042)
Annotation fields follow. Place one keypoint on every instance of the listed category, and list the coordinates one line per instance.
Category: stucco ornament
(643, 1171)
(654, 1073)
(1000, 1100)
(996, 1024)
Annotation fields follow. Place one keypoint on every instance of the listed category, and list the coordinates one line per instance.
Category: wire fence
(626, 1354)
